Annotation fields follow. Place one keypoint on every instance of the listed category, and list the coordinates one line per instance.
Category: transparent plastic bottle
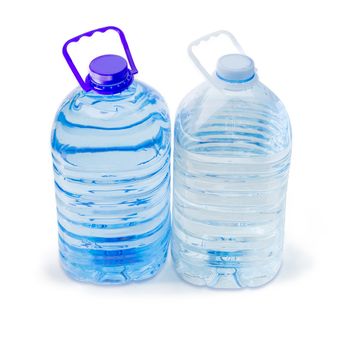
(111, 159)
(231, 160)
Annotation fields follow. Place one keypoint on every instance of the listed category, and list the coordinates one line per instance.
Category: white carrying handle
(197, 62)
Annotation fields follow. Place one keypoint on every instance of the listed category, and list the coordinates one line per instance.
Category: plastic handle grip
(86, 86)
(197, 62)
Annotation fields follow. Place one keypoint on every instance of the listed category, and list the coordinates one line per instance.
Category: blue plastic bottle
(231, 162)
(111, 158)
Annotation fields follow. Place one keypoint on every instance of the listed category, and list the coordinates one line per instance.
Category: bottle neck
(223, 84)
(108, 95)
(107, 88)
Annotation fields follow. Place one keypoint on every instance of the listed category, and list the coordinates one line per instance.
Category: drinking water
(231, 160)
(111, 160)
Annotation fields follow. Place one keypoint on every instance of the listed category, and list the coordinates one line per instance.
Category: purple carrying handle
(86, 86)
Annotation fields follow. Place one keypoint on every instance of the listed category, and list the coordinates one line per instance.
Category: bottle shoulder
(133, 105)
(135, 121)
(255, 94)
(232, 121)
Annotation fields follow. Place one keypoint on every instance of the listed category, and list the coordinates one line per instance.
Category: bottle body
(111, 159)
(231, 161)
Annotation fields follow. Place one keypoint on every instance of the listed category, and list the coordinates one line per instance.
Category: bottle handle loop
(207, 37)
(85, 85)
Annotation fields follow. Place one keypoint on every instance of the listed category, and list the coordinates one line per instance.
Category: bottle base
(225, 275)
(222, 278)
(114, 266)
(112, 275)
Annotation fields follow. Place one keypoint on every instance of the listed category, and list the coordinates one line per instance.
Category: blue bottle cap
(235, 68)
(110, 71)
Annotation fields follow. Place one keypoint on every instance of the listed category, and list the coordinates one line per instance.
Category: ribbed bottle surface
(111, 159)
(231, 163)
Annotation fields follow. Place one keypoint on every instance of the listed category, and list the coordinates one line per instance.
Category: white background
(295, 46)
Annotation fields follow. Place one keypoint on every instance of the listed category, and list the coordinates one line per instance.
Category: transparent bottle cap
(235, 68)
